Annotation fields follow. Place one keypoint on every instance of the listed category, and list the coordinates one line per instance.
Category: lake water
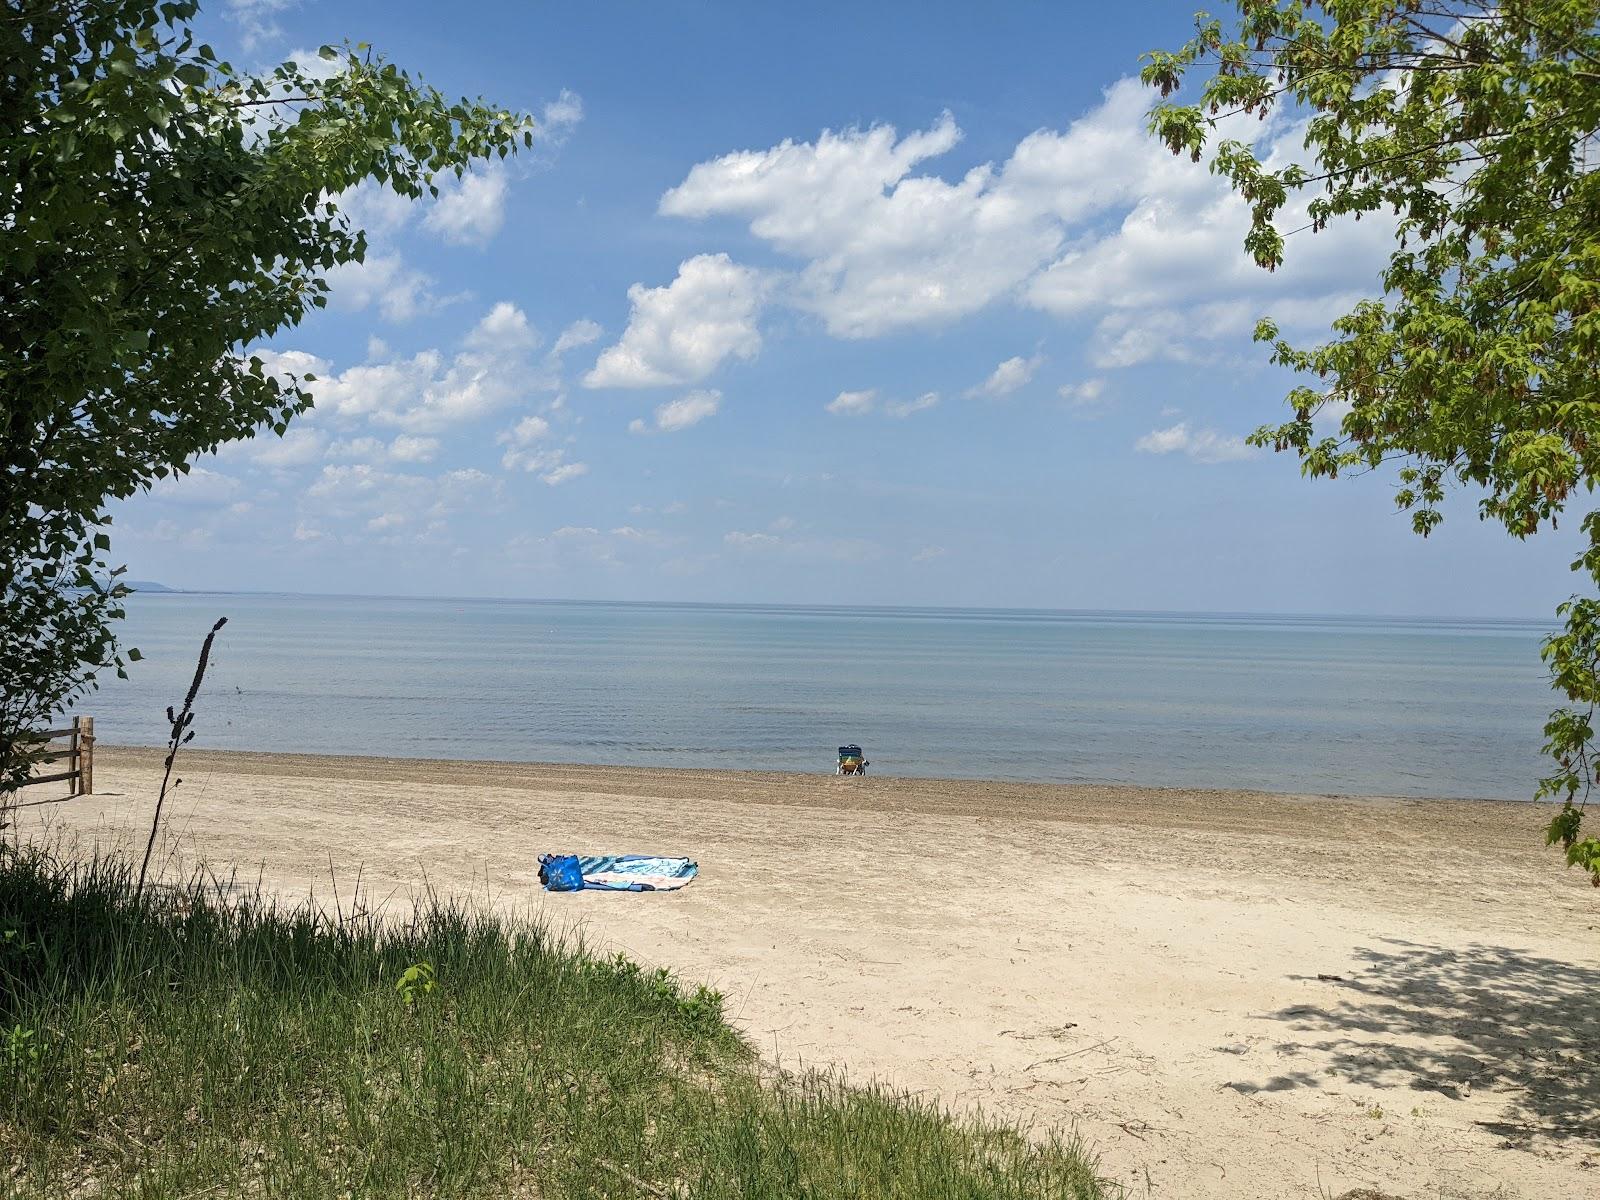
(1322, 704)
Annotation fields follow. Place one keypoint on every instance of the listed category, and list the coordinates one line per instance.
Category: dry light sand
(1228, 994)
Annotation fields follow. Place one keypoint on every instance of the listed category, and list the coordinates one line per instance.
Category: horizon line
(164, 589)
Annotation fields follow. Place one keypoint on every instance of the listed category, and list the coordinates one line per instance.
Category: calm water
(1395, 707)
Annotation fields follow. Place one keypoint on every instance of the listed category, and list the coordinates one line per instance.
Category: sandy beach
(1227, 994)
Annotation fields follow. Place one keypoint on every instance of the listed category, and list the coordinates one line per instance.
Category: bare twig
(1045, 1062)
(181, 733)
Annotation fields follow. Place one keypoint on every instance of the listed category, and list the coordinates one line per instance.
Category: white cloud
(363, 449)
(526, 431)
(377, 209)
(741, 540)
(852, 404)
(399, 505)
(1014, 373)
(526, 451)
(1096, 218)
(298, 447)
(504, 330)
(882, 249)
(200, 486)
(472, 209)
(1202, 445)
(399, 292)
(859, 404)
(928, 554)
(409, 448)
(682, 332)
(561, 116)
(565, 472)
(681, 413)
(619, 546)
(428, 393)
(257, 25)
(802, 549)
(1087, 397)
(582, 332)
(1085, 392)
(904, 408)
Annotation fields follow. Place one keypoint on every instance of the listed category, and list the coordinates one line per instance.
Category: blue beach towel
(615, 872)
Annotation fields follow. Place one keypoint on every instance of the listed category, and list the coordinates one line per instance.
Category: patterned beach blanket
(617, 872)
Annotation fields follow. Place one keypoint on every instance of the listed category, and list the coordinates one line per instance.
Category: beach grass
(206, 1040)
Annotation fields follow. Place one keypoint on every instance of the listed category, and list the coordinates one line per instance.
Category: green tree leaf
(159, 215)
(1478, 363)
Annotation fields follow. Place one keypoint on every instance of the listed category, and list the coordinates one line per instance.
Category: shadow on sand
(1454, 1021)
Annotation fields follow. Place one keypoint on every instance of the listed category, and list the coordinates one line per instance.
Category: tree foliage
(1472, 128)
(160, 213)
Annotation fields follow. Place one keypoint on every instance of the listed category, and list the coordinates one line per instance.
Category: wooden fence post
(83, 737)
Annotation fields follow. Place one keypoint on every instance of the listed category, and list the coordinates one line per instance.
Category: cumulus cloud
(905, 408)
(1093, 219)
(881, 248)
(383, 279)
(429, 392)
(1202, 445)
(566, 471)
(561, 116)
(583, 332)
(859, 404)
(1086, 398)
(412, 449)
(681, 413)
(257, 22)
(299, 446)
(1014, 373)
(527, 449)
(400, 293)
(1084, 392)
(200, 486)
(472, 209)
(372, 207)
(683, 331)
(852, 404)
(398, 505)
(504, 330)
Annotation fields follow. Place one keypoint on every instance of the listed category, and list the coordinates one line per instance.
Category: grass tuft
(204, 1039)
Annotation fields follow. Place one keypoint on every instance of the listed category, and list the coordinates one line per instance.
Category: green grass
(207, 1042)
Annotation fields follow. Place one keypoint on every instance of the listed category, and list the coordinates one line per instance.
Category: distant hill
(147, 585)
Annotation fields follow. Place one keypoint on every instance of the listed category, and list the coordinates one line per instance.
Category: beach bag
(561, 873)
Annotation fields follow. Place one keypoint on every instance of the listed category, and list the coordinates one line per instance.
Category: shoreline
(1228, 994)
(315, 763)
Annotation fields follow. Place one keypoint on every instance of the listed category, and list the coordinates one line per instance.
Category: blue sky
(882, 304)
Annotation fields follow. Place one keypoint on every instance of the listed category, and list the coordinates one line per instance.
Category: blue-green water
(1321, 704)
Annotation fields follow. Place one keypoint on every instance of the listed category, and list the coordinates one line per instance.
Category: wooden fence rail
(78, 752)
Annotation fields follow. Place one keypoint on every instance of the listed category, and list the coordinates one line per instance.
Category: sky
(841, 304)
